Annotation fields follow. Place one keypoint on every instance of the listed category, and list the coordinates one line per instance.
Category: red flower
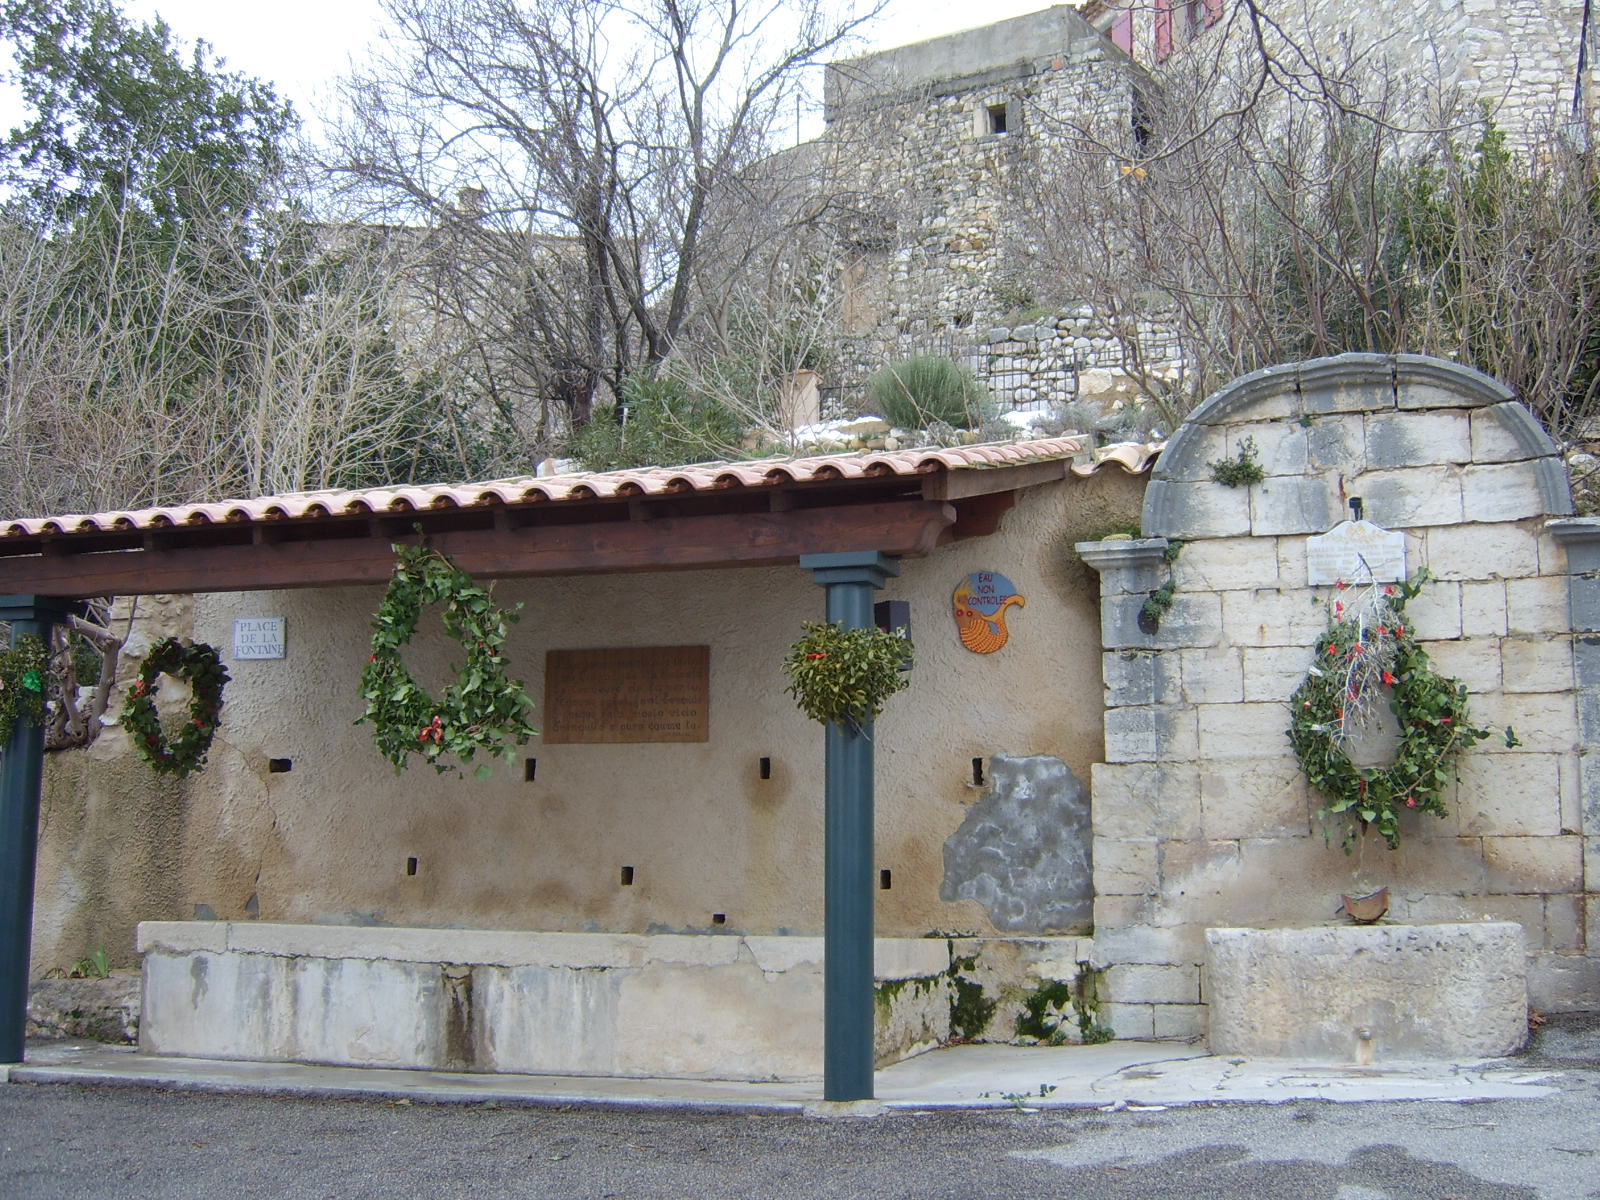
(1338, 606)
(1388, 590)
(1411, 801)
(816, 654)
(1332, 650)
(1444, 720)
(1356, 649)
(1388, 678)
(1340, 584)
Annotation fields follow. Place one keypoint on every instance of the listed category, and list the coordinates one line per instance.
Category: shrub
(661, 423)
(926, 390)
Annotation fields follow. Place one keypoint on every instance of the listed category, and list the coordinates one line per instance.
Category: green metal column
(21, 773)
(847, 1030)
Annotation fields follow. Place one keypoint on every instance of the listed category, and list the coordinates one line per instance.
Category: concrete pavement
(1115, 1076)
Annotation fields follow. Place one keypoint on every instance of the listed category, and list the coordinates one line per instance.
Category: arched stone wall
(1201, 815)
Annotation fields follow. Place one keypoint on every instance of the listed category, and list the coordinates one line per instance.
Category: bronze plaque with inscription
(640, 694)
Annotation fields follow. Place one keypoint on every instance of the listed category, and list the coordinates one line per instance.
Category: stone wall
(1520, 57)
(925, 144)
(1202, 817)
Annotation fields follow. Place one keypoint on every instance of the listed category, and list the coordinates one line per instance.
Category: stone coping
(894, 958)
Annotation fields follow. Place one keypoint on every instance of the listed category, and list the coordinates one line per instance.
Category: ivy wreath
(22, 672)
(846, 675)
(483, 709)
(201, 666)
(1368, 654)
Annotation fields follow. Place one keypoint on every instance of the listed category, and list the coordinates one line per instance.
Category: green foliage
(926, 390)
(22, 681)
(1158, 602)
(119, 113)
(1368, 653)
(1242, 470)
(661, 422)
(970, 1010)
(483, 709)
(93, 965)
(845, 675)
(201, 667)
(1044, 1010)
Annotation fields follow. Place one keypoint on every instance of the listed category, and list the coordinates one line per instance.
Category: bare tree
(590, 153)
(1287, 202)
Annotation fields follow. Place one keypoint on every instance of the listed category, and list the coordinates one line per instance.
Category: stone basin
(1368, 993)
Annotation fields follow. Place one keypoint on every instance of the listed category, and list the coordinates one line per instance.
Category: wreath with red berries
(484, 709)
(1369, 656)
(185, 752)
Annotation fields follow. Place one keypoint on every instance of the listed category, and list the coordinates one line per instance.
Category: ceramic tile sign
(981, 601)
(1356, 552)
(258, 637)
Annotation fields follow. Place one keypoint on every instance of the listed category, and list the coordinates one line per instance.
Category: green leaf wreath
(846, 675)
(483, 709)
(1369, 656)
(185, 752)
(22, 676)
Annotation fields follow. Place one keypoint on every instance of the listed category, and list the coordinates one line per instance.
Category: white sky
(302, 45)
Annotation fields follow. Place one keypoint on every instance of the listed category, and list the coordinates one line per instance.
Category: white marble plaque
(258, 637)
(1356, 552)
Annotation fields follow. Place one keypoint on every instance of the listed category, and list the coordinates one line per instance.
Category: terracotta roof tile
(578, 486)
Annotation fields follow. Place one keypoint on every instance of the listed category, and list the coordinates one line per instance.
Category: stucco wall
(1202, 816)
(329, 840)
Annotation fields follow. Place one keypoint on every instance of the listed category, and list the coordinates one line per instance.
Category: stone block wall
(1202, 817)
(1520, 57)
(924, 182)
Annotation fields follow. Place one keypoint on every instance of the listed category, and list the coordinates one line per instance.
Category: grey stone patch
(1139, 677)
(1564, 982)
(1292, 504)
(1418, 440)
(1267, 394)
(1589, 790)
(1130, 566)
(1339, 443)
(100, 1010)
(204, 912)
(1347, 383)
(1195, 510)
(1583, 593)
(1023, 850)
(1193, 620)
(1424, 382)
(1586, 663)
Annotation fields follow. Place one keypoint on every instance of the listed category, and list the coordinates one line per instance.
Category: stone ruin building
(928, 146)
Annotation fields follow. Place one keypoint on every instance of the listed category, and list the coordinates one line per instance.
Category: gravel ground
(127, 1143)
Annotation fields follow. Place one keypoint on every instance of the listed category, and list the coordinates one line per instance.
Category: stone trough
(1368, 993)
(640, 1005)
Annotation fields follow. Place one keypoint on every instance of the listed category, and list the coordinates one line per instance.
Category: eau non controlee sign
(631, 694)
(258, 637)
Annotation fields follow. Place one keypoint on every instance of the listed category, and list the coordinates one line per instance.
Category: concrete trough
(631, 1005)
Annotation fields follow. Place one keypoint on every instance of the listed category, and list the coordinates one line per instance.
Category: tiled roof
(589, 486)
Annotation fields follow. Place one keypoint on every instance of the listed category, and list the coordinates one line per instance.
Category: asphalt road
(129, 1143)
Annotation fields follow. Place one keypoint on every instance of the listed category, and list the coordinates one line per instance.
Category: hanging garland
(1368, 656)
(202, 667)
(22, 673)
(483, 710)
(845, 675)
